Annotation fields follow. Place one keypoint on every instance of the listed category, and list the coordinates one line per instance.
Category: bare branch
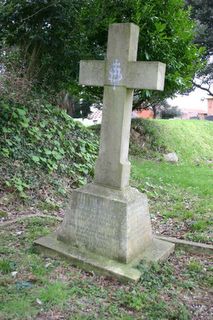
(210, 92)
(35, 13)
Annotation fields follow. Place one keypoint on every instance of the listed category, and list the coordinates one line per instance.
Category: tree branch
(203, 88)
(35, 13)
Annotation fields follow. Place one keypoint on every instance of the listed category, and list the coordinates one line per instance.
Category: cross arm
(92, 72)
(146, 75)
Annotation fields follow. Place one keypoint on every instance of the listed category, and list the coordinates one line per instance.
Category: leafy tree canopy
(47, 34)
(54, 35)
(202, 12)
(166, 34)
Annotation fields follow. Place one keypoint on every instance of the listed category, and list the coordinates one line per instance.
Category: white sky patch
(194, 100)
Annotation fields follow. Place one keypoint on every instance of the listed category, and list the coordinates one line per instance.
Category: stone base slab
(51, 246)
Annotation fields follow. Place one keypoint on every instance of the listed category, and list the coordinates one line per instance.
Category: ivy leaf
(21, 112)
(25, 124)
(35, 159)
(47, 151)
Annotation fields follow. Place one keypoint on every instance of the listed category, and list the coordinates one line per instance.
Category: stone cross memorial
(107, 226)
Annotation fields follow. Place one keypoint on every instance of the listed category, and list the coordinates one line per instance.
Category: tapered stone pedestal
(108, 222)
(108, 230)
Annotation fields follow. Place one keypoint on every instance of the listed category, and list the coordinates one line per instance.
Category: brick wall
(210, 106)
(145, 114)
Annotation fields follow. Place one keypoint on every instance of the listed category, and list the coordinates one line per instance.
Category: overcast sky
(195, 100)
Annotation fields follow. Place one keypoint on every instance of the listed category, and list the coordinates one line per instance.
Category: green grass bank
(192, 140)
(180, 194)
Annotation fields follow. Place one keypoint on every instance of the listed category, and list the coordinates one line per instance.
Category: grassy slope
(180, 194)
(191, 140)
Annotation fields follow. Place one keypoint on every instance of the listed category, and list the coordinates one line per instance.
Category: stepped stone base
(107, 229)
(88, 261)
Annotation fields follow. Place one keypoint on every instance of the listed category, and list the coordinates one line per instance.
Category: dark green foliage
(149, 142)
(41, 140)
(166, 34)
(202, 12)
(47, 33)
(54, 36)
(171, 112)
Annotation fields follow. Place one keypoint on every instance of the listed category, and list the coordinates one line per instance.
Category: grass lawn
(180, 196)
(181, 205)
(35, 287)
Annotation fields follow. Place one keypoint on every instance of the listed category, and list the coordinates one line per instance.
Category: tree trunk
(32, 60)
(155, 111)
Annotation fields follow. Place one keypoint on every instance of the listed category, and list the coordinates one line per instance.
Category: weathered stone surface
(195, 247)
(171, 157)
(109, 222)
(119, 74)
(108, 219)
(158, 250)
(112, 167)
(87, 260)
